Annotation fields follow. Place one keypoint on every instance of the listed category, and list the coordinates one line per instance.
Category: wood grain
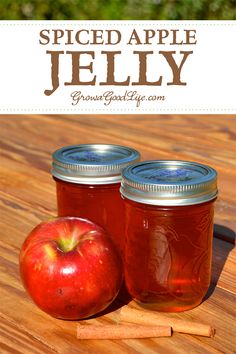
(27, 196)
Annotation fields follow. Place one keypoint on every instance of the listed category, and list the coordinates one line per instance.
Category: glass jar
(169, 228)
(88, 179)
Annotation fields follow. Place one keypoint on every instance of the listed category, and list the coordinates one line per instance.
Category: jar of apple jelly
(169, 229)
(88, 179)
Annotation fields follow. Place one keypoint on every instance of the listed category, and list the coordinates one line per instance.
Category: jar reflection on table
(88, 180)
(168, 247)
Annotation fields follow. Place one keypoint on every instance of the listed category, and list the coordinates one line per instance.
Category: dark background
(118, 10)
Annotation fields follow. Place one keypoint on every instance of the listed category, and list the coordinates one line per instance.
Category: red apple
(70, 268)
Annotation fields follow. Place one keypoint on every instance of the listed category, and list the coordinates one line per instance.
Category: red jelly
(88, 180)
(169, 229)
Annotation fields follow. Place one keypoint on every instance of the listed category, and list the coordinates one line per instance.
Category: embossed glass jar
(88, 180)
(169, 229)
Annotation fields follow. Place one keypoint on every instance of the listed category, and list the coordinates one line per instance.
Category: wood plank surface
(27, 196)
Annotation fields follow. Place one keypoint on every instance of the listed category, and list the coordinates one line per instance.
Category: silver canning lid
(169, 183)
(92, 163)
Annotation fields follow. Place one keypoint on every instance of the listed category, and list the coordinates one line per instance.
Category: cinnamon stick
(121, 331)
(144, 317)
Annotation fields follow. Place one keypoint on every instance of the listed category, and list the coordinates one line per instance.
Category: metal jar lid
(169, 183)
(92, 163)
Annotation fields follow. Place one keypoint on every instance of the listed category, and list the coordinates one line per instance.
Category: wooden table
(27, 196)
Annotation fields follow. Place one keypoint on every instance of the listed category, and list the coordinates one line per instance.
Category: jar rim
(169, 182)
(92, 163)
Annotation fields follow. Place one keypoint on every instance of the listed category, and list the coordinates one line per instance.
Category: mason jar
(169, 207)
(88, 179)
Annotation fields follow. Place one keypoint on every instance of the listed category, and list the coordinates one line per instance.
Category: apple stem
(68, 244)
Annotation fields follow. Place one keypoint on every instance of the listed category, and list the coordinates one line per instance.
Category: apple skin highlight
(70, 268)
